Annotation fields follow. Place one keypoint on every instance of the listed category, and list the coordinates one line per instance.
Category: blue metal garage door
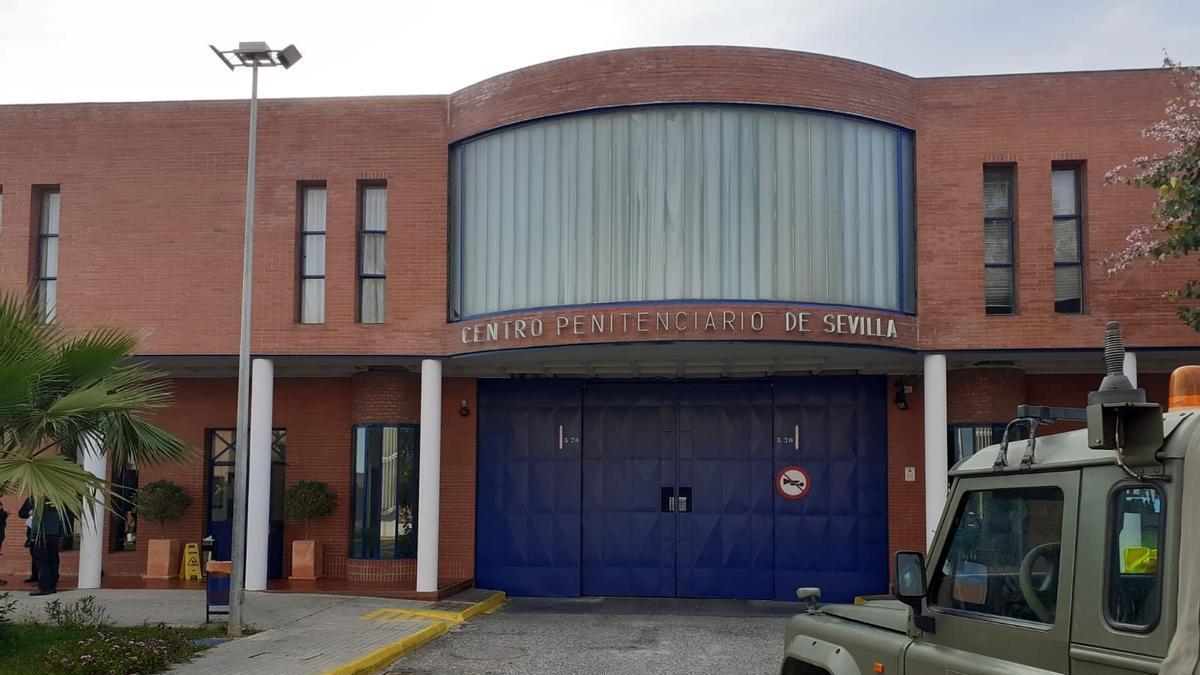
(527, 513)
(665, 489)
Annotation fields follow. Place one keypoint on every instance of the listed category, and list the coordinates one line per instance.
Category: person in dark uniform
(3, 526)
(47, 531)
(26, 514)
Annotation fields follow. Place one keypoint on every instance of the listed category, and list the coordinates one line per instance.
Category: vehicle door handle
(685, 500)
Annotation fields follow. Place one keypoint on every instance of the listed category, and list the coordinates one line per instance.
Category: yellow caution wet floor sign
(189, 567)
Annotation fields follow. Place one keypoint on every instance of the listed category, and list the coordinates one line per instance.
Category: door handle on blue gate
(667, 502)
(685, 500)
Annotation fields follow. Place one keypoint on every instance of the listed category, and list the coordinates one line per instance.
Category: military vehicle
(1077, 552)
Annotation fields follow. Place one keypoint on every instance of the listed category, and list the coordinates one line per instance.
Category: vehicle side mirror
(910, 578)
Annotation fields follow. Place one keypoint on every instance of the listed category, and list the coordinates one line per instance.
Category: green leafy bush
(106, 653)
(83, 613)
(162, 501)
(306, 500)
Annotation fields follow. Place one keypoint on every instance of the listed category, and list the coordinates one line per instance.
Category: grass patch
(25, 646)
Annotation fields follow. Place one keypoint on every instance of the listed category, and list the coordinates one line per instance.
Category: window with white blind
(372, 252)
(1068, 240)
(312, 254)
(47, 200)
(999, 285)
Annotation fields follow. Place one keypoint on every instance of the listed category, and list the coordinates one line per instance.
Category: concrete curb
(385, 655)
(441, 622)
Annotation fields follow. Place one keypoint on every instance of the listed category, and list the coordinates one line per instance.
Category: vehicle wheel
(794, 667)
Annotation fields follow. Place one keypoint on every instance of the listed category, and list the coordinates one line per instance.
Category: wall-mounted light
(901, 396)
(464, 411)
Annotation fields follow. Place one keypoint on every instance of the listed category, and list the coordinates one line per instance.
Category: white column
(429, 488)
(91, 539)
(1130, 367)
(258, 500)
(935, 442)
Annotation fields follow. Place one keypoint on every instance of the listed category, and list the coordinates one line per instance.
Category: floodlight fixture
(257, 55)
(288, 56)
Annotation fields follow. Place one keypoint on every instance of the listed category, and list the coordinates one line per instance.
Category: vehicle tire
(794, 667)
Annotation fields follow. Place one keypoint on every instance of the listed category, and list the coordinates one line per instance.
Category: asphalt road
(611, 635)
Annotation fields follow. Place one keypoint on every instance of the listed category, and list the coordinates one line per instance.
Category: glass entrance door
(222, 454)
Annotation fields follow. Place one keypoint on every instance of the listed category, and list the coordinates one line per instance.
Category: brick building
(704, 321)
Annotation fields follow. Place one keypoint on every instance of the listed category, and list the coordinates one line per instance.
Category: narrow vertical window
(1068, 240)
(372, 252)
(312, 254)
(998, 282)
(47, 254)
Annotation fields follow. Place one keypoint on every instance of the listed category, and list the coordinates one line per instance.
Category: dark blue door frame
(219, 455)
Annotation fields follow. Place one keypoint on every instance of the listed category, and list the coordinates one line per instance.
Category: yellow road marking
(441, 622)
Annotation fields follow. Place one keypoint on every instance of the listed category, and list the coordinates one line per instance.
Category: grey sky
(81, 50)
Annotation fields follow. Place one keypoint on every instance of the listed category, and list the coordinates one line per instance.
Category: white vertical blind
(47, 284)
(683, 202)
(372, 254)
(312, 267)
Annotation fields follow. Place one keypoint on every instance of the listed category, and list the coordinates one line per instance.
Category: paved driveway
(611, 635)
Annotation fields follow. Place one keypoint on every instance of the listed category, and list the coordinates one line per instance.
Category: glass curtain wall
(683, 202)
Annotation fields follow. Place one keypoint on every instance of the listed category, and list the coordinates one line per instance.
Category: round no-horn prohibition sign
(792, 482)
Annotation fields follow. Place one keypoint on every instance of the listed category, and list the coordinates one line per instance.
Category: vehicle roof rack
(1033, 416)
(1118, 416)
(1047, 414)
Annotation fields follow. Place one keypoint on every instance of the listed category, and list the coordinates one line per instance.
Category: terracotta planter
(307, 559)
(162, 559)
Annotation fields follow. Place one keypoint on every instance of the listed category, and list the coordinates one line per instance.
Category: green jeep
(1077, 552)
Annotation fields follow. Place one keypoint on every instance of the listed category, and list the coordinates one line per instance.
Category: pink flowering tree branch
(1174, 228)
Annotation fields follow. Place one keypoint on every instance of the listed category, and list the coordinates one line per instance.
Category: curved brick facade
(684, 74)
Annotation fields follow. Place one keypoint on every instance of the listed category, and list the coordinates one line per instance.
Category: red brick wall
(381, 397)
(984, 395)
(146, 186)
(1033, 121)
(906, 447)
(153, 205)
(318, 414)
(456, 530)
(632, 76)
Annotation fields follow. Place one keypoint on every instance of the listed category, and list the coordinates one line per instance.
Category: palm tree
(60, 390)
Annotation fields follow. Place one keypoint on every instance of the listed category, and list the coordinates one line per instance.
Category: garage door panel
(528, 487)
(831, 537)
(728, 524)
(629, 540)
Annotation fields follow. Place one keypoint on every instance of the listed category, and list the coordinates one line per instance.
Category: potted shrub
(162, 502)
(304, 501)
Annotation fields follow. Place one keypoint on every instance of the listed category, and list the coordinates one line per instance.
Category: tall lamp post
(252, 55)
